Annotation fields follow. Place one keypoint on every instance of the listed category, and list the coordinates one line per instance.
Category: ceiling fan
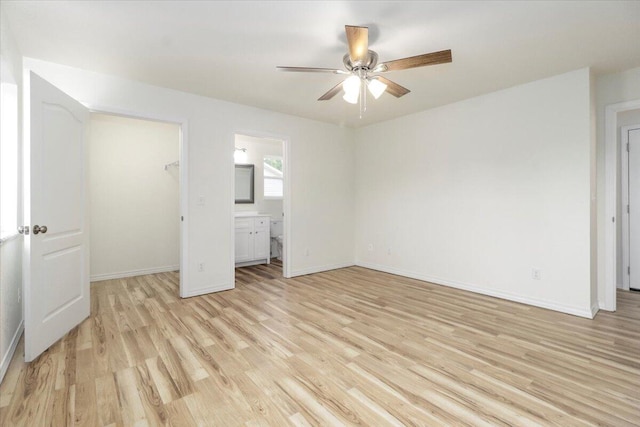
(362, 67)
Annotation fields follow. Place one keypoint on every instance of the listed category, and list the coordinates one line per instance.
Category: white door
(261, 248)
(633, 138)
(56, 264)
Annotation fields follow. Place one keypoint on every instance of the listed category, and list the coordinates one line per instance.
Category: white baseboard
(132, 273)
(576, 311)
(207, 290)
(595, 307)
(6, 358)
(320, 269)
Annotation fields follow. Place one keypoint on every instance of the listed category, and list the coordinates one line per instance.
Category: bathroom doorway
(265, 156)
(135, 188)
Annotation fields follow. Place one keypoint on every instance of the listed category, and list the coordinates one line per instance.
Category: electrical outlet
(536, 274)
(201, 266)
(370, 247)
(388, 251)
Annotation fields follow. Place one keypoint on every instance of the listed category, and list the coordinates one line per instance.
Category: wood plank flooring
(345, 347)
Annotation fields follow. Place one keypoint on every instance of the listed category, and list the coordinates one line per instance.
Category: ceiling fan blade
(358, 39)
(331, 92)
(432, 58)
(394, 88)
(312, 70)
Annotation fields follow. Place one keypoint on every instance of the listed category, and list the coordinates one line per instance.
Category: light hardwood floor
(349, 346)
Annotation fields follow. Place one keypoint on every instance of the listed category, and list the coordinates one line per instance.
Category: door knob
(39, 229)
(23, 229)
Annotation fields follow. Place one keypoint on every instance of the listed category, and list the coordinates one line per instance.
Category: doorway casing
(286, 205)
(626, 217)
(611, 199)
(184, 176)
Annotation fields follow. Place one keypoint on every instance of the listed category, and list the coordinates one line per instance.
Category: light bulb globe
(376, 87)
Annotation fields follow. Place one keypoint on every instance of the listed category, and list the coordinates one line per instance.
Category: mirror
(244, 184)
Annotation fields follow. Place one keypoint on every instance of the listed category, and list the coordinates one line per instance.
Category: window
(273, 183)
(8, 159)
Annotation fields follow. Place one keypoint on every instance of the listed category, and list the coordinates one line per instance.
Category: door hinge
(629, 270)
(181, 218)
(627, 147)
(627, 208)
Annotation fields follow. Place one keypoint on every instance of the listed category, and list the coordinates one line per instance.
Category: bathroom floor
(259, 272)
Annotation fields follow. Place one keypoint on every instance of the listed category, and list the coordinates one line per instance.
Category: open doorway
(134, 175)
(259, 220)
(614, 268)
(628, 267)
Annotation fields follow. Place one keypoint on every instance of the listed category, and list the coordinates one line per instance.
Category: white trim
(132, 273)
(286, 200)
(208, 290)
(624, 193)
(286, 209)
(320, 269)
(184, 207)
(576, 311)
(611, 200)
(184, 179)
(594, 309)
(232, 201)
(9, 238)
(6, 359)
(626, 217)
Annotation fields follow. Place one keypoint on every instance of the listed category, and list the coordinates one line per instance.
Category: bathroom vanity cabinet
(253, 244)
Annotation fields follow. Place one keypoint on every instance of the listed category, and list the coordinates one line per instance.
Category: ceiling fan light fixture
(376, 87)
(351, 98)
(351, 87)
(351, 84)
(362, 68)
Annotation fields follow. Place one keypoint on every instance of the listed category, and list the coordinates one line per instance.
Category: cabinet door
(261, 246)
(244, 241)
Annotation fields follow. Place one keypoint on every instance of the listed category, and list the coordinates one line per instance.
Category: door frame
(286, 197)
(611, 200)
(183, 157)
(626, 217)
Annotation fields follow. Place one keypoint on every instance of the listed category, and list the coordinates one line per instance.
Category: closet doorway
(134, 183)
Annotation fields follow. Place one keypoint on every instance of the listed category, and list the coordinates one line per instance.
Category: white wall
(11, 314)
(321, 217)
(610, 89)
(478, 193)
(257, 149)
(135, 215)
(625, 118)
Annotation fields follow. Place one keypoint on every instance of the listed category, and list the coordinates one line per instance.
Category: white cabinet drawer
(244, 223)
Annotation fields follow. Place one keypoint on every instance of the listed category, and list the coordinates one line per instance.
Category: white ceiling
(229, 50)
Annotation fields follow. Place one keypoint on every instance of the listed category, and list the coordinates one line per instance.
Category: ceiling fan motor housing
(368, 64)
